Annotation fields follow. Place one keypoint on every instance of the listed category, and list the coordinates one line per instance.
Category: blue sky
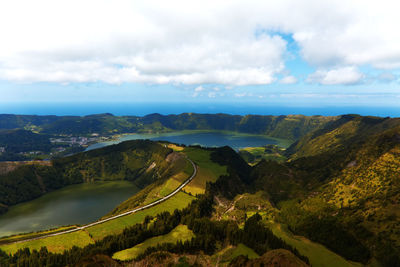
(292, 54)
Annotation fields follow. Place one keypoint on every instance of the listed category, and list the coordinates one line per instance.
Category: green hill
(340, 187)
(361, 199)
(142, 162)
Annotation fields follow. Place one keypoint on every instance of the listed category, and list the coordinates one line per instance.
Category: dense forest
(13, 142)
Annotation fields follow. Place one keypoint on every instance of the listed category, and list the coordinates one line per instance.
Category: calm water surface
(204, 138)
(75, 204)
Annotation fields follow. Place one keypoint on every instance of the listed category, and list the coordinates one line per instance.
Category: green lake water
(75, 204)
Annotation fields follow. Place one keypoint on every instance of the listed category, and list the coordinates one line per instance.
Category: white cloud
(240, 94)
(199, 88)
(288, 80)
(212, 94)
(345, 75)
(190, 42)
(129, 41)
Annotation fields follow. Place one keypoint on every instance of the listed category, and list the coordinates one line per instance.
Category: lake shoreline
(71, 205)
(167, 136)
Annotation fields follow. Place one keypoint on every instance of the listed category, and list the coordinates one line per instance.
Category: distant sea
(140, 109)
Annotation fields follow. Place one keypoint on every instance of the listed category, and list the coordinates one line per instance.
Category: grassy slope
(116, 226)
(228, 254)
(54, 244)
(181, 232)
(243, 250)
(14, 238)
(208, 171)
(249, 204)
(97, 232)
(318, 255)
(364, 193)
(253, 155)
(179, 201)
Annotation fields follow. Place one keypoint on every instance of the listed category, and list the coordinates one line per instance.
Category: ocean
(140, 109)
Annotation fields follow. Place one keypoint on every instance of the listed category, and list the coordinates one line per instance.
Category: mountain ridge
(286, 126)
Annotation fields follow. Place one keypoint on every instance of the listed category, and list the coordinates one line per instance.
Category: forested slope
(340, 187)
(139, 161)
(287, 127)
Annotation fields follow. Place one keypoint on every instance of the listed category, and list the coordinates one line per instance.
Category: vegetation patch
(318, 255)
(56, 244)
(175, 147)
(253, 155)
(81, 238)
(14, 238)
(208, 171)
(180, 233)
(178, 201)
(227, 255)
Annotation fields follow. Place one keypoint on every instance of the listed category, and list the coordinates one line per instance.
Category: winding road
(122, 214)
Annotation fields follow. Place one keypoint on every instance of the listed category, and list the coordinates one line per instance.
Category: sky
(288, 53)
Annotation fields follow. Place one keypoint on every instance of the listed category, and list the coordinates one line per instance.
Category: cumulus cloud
(288, 80)
(240, 94)
(190, 42)
(346, 75)
(149, 42)
(212, 94)
(199, 88)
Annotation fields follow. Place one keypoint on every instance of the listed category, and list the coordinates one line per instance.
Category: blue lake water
(203, 138)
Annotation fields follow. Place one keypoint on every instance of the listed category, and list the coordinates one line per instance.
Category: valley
(329, 196)
(206, 138)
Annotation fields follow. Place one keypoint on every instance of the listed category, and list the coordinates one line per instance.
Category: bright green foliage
(253, 155)
(180, 233)
(208, 170)
(57, 243)
(228, 254)
(8, 239)
(318, 255)
(179, 170)
(179, 201)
